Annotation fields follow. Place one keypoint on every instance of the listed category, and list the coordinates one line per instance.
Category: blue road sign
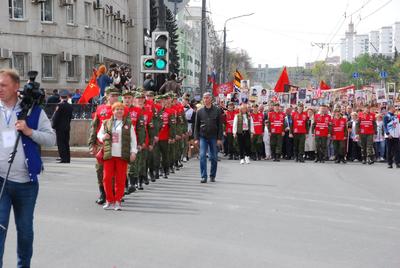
(383, 74)
(356, 75)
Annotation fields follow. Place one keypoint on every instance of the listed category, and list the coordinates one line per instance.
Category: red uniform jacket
(258, 119)
(366, 123)
(299, 122)
(322, 125)
(165, 116)
(276, 121)
(338, 129)
(230, 116)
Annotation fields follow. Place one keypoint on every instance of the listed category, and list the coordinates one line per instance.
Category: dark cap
(64, 93)
(112, 90)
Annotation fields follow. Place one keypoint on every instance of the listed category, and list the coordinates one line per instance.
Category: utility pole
(224, 57)
(203, 72)
(161, 18)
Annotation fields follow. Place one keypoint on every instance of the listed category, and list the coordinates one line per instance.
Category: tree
(172, 29)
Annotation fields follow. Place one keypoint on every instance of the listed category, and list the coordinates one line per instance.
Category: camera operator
(21, 187)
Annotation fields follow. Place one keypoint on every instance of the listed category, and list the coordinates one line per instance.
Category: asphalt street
(260, 215)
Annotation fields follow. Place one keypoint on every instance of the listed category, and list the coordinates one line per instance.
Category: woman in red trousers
(119, 138)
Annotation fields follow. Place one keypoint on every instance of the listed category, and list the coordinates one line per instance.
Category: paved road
(259, 215)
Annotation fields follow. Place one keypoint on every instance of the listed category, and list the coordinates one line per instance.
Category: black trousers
(244, 144)
(287, 147)
(63, 145)
(392, 150)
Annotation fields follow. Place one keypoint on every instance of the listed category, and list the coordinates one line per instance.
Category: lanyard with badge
(8, 135)
(115, 134)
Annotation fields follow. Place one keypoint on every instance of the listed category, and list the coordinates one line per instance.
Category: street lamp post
(224, 46)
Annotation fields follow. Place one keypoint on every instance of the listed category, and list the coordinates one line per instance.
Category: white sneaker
(184, 160)
(247, 159)
(241, 161)
(118, 206)
(108, 206)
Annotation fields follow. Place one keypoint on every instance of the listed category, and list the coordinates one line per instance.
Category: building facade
(65, 39)
(361, 44)
(386, 41)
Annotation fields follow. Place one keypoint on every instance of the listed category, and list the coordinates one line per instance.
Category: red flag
(323, 85)
(92, 90)
(282, 81)
(223, 89)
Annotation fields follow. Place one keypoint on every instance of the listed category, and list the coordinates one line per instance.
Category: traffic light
(158, 61)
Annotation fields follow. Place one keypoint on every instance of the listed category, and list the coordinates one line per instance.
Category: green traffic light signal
(161, 52)
(161, 64)
(149, 63)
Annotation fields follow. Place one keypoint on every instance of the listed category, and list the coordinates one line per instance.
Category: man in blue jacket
(391, 127)
(21, 188)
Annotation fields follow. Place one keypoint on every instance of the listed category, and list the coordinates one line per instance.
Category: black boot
(102, 198)
(126, 187)
(132, 182)
(141, 179)
(301, 159)
(176, 166)
(371, 160)
(171, 170)
(364, 160)
(166, 173)
(157, 175)
(343, 160)
(337, 159)
(151, 174)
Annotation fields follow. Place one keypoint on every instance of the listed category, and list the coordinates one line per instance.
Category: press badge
(9, 137)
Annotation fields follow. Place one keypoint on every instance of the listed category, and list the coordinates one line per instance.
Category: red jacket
(229, 117)
(276, 122)
(366, 122)
(322, 125)
(164, 131)
(258, 119)
(299, 122)
(338, 129)
(103, 112)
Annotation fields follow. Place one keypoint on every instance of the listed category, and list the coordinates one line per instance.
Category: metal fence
(80, 111)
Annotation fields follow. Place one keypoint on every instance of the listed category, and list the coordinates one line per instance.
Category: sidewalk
(75, 152)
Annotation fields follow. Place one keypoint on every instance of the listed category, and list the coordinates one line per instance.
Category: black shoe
(337, 161)
(212, 179)
(166, 173)
(140, 187)
(364, 161)
(316, 160)
(156, 175)
(236, 158)
(371, 160)
(172, 171)
(102, 198)
(390, 166)
(230, 157)
(180, 165)
(344, 160)
(63, 162)
(203, 180)
(127, 192)
(397, 165)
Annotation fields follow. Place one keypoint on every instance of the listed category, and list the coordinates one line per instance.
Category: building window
(48, 66)
(16, 9)
(46, 11)
(89, 65)
(20, 63)
(87, 14)
(70, 14)
(72, 68)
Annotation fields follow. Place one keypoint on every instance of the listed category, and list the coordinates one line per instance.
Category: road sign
(383, 74)
(356, 75)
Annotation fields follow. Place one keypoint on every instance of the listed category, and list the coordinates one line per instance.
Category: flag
(92, 90)
(225, 89)
(323, 85)
(237, 78)
(282, 81)
(318, 93)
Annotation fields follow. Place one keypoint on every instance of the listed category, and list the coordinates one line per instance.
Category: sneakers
(247, 160)
(184, 160)
(108, 206)
(117, 206)
(241, 161)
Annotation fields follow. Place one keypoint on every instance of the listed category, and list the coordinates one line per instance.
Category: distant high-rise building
(361, 45)
(373, 42)
(396, 32)
(386, 41)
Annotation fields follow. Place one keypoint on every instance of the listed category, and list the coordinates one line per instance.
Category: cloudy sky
(282, 32)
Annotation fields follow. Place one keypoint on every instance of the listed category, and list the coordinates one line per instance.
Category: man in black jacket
(208, 132)
(62, 124)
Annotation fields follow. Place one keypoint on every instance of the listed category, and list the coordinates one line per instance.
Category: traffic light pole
(161, 18)
(203, 72)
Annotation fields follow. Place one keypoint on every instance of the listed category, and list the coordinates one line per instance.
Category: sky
(281, 32)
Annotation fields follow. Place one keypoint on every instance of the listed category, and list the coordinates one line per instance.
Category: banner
(225, 89)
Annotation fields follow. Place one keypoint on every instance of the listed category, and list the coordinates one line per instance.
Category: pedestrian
(102, 113)
(391, 127)
(322, 124)
(119, 138)
(55, 98)
(171, 85)
(379, 139)
(299, 128)
(230, 141)
(188, 110)
(104, 80)
(149, 84)
(309, 146)
(243, 131)
(61, 122)
(208, 132)
(275, 125)
(77, 95)
(366, 129)
(339, 136)
(20, 190)
(257, 116)
(288, 137)
(355, 153)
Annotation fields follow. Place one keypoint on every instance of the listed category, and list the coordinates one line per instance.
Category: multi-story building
(373, 42)
(65, 39)
(386, 41)
(347, 45)
(361, 44)
(259, 75)
(396, 39)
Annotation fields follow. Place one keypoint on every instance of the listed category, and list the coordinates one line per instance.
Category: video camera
(31, 94)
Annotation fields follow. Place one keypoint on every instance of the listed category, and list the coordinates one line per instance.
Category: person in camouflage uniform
(103, 112)
(181, 131)
(154, 128)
